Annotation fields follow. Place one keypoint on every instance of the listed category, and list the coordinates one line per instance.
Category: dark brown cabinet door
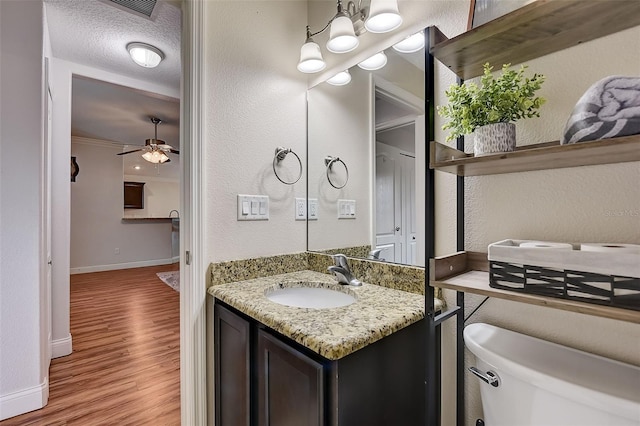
(232, 368)
(290, 385)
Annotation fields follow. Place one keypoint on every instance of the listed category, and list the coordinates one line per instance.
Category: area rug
(172, 279)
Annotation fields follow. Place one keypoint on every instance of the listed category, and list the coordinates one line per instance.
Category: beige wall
(255, 102)
(97, 228)
(569, 205)
(23, 293)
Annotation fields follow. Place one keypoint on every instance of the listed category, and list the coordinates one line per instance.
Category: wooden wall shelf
(545, 156)
(458, 272)
(534, 30)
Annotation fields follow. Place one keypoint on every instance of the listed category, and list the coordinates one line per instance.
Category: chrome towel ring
(329, 161)
(280, 155)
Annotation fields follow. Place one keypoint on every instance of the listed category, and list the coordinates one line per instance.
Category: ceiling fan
(155, 150)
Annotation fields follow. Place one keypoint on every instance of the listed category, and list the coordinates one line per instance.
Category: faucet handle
(341, 261)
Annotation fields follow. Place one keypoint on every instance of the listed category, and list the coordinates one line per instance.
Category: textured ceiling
(95, 34)
(106, 111)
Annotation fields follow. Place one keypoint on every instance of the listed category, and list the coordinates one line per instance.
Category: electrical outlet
(313, 208)
(300, 209)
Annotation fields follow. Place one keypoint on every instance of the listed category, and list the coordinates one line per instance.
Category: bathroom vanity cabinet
(264, 378)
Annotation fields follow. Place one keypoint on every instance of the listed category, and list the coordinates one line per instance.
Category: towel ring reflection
(280, 155)
(329, 161)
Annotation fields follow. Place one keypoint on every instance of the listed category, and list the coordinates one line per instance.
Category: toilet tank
(546, 384)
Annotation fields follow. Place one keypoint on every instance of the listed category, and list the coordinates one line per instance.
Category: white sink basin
(310, 297)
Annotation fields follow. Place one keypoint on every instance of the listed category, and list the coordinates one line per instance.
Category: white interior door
(388, 207)
(396, 224)
(408, 205)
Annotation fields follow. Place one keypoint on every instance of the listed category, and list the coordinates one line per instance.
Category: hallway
(125, 365)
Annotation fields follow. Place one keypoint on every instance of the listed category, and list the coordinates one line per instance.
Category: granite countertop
(335, 332)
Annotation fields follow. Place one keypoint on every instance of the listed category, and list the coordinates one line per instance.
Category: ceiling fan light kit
(155, 150)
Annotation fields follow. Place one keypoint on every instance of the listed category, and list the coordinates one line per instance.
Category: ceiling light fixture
(340, 79)
(375, 62)
(155, 150)
(145, 55)
(155, 157)
(411, 44)
(345, 27)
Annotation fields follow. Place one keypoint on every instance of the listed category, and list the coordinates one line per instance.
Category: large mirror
(366, 162)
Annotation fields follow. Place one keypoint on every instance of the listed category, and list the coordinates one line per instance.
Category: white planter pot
(494, 138)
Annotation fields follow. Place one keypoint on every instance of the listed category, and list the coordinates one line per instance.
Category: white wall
(23, 381)
(567, 205)
(340, 125)
(255, 102)
(97, 228)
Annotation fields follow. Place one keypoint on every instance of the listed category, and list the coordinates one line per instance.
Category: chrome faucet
(375, 254)
(342, 271)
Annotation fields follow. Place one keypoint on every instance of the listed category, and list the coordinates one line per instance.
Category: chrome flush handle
(488, 377)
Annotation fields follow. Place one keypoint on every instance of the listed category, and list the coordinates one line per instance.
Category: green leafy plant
(506, 98)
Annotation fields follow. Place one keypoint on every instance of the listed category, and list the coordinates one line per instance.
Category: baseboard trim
(115, 266)
(23, 401)
(61, 347)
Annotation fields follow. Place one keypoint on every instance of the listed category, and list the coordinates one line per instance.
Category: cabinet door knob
(397, 228)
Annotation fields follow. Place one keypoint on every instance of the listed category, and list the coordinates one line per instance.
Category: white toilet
(545, 384)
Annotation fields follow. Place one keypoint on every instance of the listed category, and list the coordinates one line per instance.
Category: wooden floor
(125, 365)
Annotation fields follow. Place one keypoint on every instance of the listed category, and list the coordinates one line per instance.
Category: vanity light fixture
(383, 16)
(375, 62)
(345, 27)
(145, 55)
(340, 79)
(411, 44)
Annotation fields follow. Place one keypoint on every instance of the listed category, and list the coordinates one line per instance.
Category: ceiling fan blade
(168, 161)
(174, 151)
(129, 152)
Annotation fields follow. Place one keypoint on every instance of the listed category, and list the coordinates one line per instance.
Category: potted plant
(489, 111)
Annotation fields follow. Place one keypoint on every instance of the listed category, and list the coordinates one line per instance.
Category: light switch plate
(346, 209)
(253, 207)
